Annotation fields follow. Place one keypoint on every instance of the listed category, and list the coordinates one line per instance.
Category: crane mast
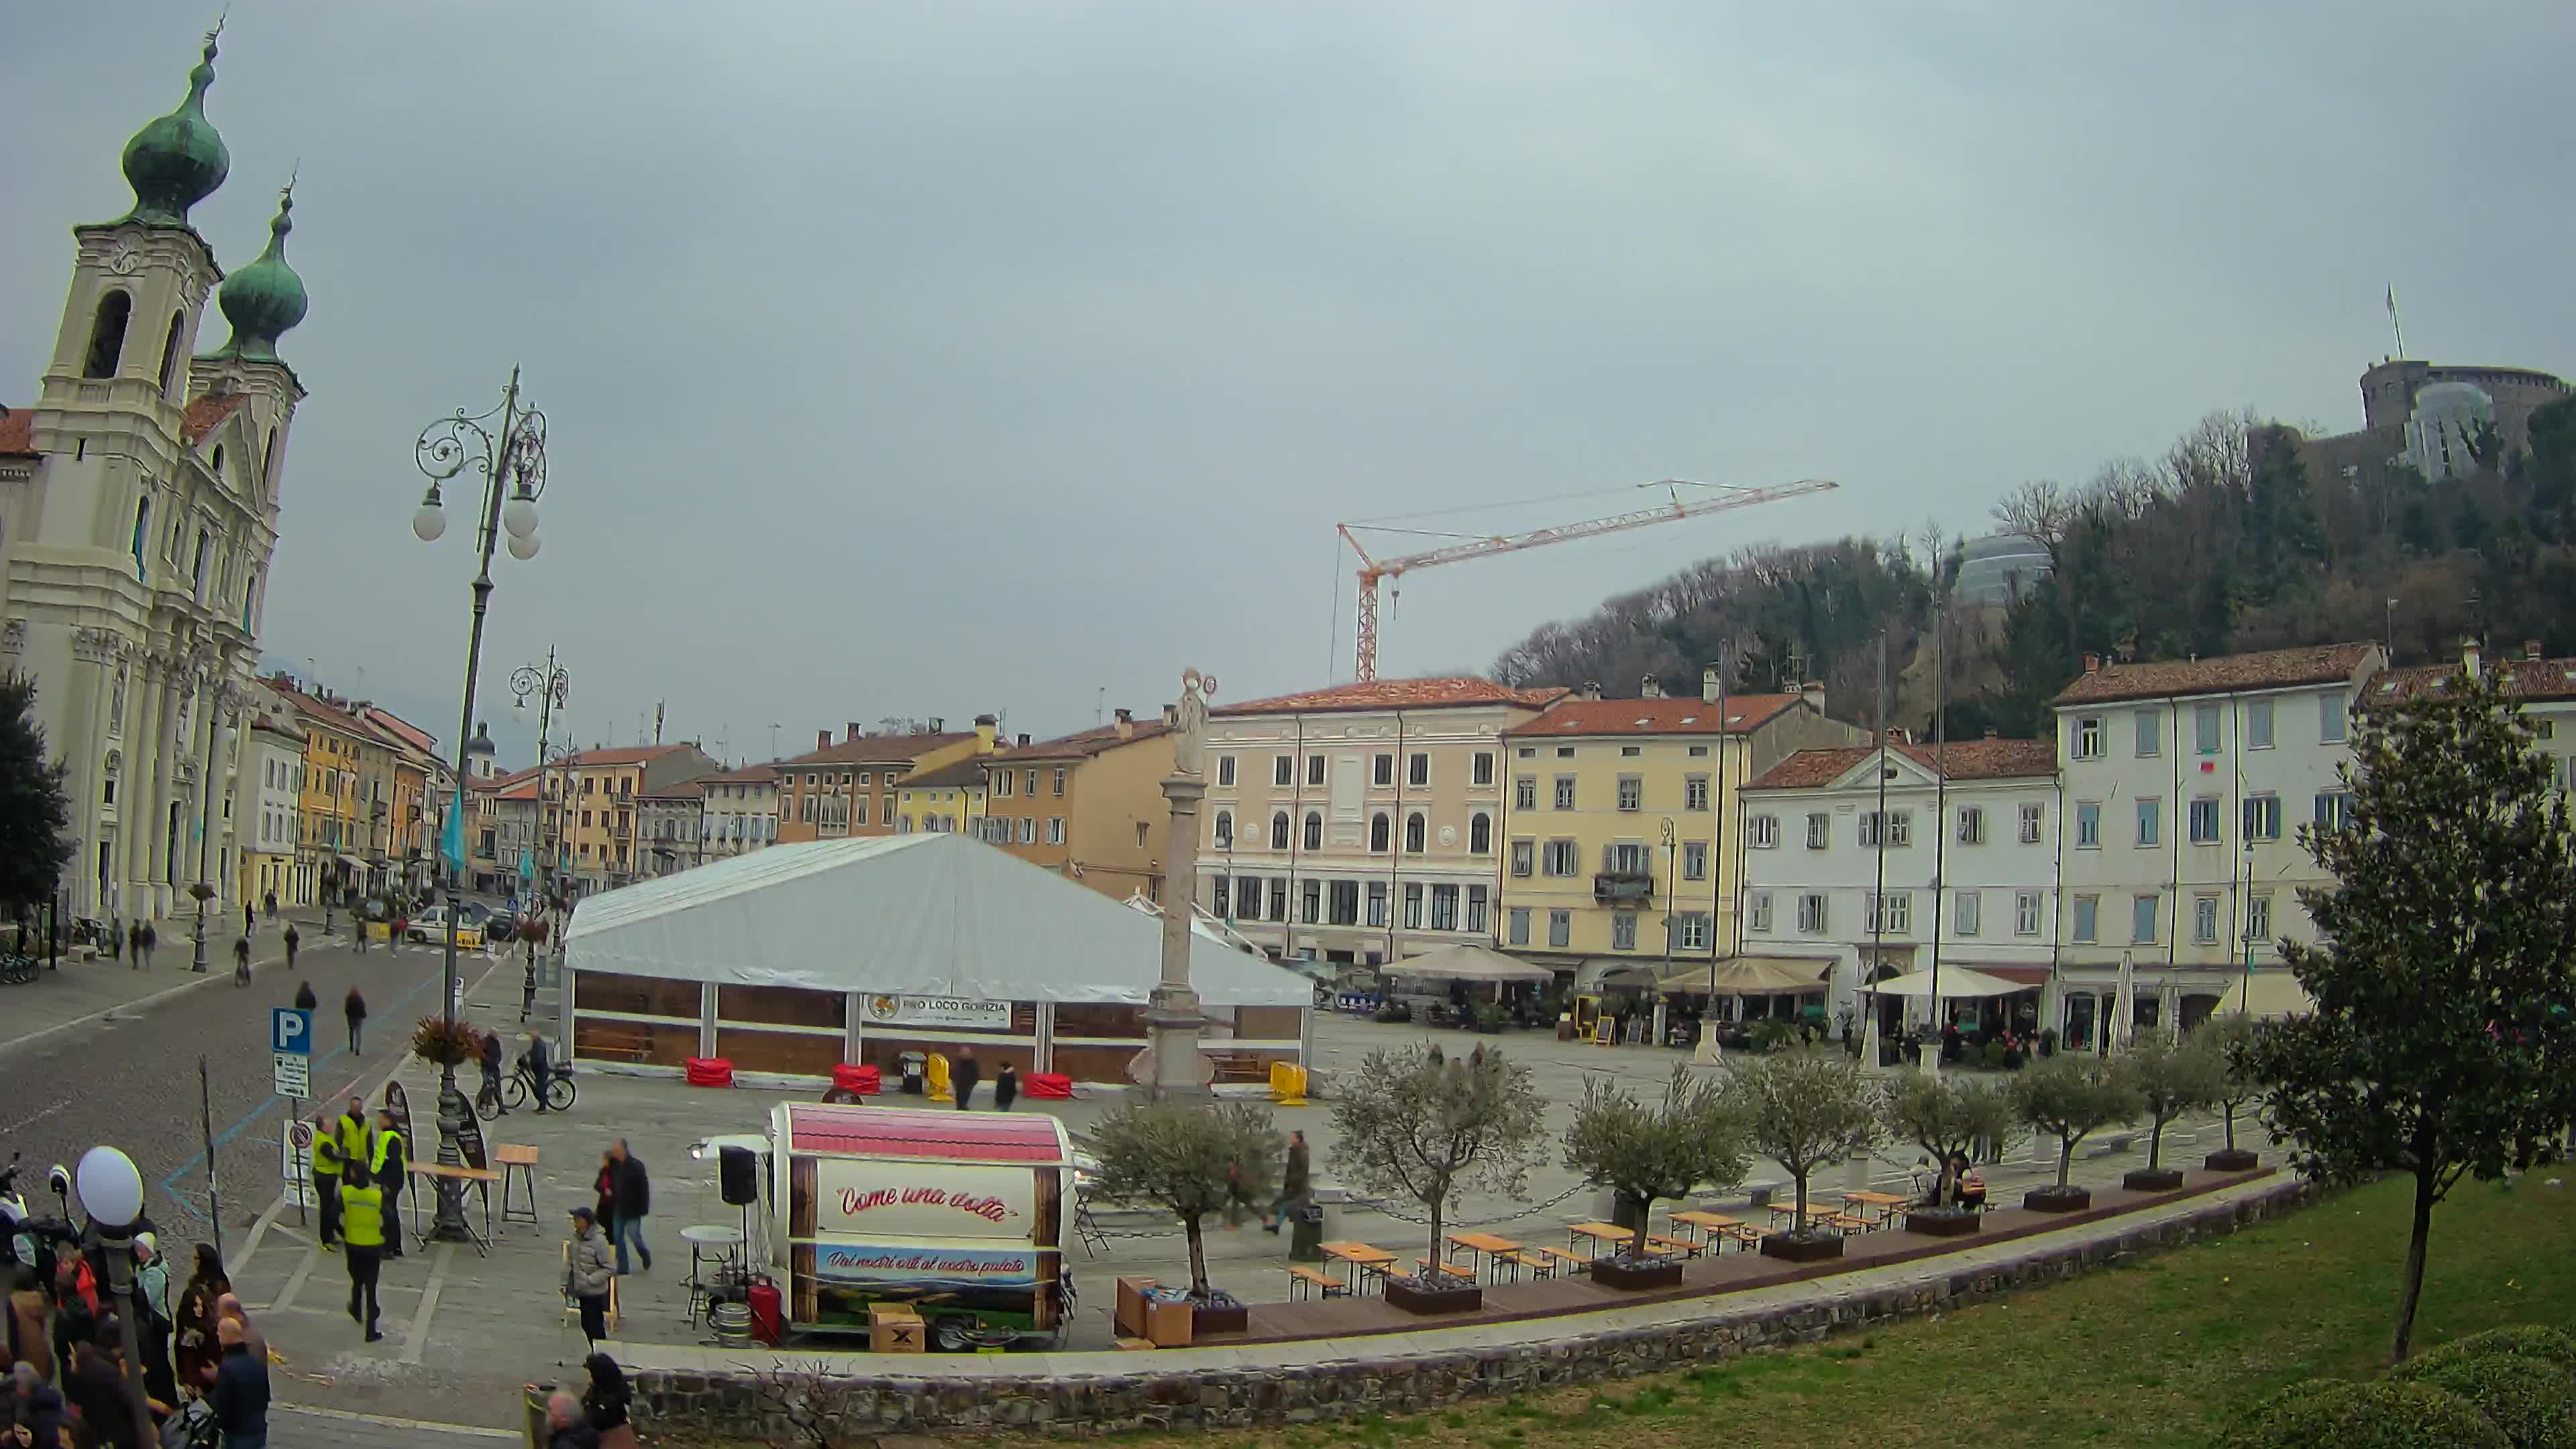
(1372, 570)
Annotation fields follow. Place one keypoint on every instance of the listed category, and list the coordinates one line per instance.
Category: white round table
(708, 1243)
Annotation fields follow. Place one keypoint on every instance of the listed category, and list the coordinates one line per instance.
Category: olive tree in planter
(1429, 1127)
(2229, 1037)
(1192, 1159)
(1947, 1115)
(2170, 1079)
(2070, 1098)
(1804, 1112)
(1649, 1153)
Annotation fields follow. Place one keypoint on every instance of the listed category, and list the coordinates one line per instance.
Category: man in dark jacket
(241, 1390)
(1292, 1183)
(492, 1073)
(390, 1168)
(631, 1193)
(35, 1405)
(540, 1069)
(963, 1074)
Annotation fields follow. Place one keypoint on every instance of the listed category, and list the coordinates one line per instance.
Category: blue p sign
(290, 1029)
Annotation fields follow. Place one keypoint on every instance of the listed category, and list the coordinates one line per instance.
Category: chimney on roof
(2092, 663)
(1708, 684)
(1126, 725)
(1171, 716)
(938, 726)
(1813, 692)
(823, 739)
(2469, 654)
(1591, 690)
(1024, 739)
(851, 731)
(986, 727)
(2531, 649)
(1650, 688)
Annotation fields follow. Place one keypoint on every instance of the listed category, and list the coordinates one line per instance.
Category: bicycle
(17, 969)
(517, 1089)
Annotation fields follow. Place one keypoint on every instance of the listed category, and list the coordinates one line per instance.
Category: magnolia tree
(1648, 1152)
(1193, 1159)
(2070, 1098)
(1947, 1115)
(2170, 1079)
(2442, 1043)
(2229, 1038)
(1805, 1112)
(1430, 1127)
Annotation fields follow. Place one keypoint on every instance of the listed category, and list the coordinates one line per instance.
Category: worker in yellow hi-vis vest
(326, 1182)
(362, 1233)
(357, 1141)
(388, 1166)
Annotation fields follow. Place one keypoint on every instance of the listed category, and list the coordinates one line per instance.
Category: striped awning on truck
(940, 1136)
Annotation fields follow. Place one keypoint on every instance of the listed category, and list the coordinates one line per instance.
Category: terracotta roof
(2535, 679)
(1959, 760)
(400, 730)
(523, 788)
(747, 775)
(1444, 693)
(312, 708)
(272, 725)
(207, 413)
(505, 784)
(2272, 669)
(682, 790)
(17, 433)
(877, 750)
(623, 755)
(967, 774)
(1084, 744)
(1652, 716)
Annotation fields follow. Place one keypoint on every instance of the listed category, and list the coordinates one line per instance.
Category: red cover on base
(1054, 1086)
(710, 1072)
(862, 1080)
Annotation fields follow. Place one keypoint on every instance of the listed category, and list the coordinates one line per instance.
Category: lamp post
(550, 686)
(507, 445)
(111, 1195)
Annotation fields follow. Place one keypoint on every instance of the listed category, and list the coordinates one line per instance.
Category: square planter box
(1635, 1273)
(1413, 1297)
(2152, 1179)
(2231, 1159)
(1944, 1222)
(2057, 1199)
(1220, 1313)
(1802, 1248)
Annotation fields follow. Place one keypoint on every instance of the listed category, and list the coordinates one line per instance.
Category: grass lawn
(2160, 1353)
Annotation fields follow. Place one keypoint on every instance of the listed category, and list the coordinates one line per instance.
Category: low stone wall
(777, 1406)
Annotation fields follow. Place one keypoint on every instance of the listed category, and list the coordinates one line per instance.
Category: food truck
(959, 1215)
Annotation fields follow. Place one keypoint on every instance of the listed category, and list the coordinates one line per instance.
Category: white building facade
(1360, 824)
(1960, 869)
(741, 811)
(138, 514)
(2185, 785)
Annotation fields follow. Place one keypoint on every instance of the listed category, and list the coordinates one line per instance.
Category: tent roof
(1468, 962)
(2269, 993)
(1753, 976)
(927, 915)
(1956, 982)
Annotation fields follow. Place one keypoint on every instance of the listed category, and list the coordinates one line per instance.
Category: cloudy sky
(937, 358)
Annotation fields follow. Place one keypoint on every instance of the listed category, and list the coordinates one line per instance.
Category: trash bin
(1306, 1233)
(915, 1067)
(539, 1436)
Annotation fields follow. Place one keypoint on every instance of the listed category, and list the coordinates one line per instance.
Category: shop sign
(888, 1200)
(938, 1011)
(926, 1267)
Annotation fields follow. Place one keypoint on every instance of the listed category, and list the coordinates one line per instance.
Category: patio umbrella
(2123, 1007)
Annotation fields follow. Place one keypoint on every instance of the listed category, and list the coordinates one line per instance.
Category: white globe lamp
(111, 1191)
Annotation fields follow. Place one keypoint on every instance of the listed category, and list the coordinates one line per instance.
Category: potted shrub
(2228, 1037)
(2069, 1098)
(2169, 1079)
(444, 1043)
(1946, 1116)
(1804, 1112)
(1648, 1154)
(1417, 1123)
(1191, 1159)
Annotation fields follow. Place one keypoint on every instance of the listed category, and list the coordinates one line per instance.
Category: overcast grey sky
(937, 358)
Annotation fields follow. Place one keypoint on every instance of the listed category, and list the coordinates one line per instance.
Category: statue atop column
(1190, 737)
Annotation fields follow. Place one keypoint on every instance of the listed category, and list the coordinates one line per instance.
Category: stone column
(1172, 1019)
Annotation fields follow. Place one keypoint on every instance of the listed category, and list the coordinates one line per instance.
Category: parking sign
(290, 1029)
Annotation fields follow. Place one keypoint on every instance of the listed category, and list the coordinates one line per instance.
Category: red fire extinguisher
(768, 1321)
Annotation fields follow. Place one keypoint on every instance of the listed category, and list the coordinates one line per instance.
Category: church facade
(139, 503)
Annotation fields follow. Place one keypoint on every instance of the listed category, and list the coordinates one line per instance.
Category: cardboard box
(895, 1328)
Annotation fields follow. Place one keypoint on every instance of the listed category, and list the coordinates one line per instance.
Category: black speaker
(738, 1170)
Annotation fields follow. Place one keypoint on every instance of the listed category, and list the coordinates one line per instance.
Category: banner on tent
(938, 1011)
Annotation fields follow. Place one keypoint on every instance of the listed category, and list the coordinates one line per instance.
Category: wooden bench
(1537, 1260)
(1425, 1267)
(1749, 1235)
(1307, 1282)
(1236, 1068)
(612, 1040)
(1670, 1246)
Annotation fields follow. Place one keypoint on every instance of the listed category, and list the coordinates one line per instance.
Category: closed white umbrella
(2123, 1008)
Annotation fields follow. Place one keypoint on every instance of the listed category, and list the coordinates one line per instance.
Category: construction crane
(1374, 569)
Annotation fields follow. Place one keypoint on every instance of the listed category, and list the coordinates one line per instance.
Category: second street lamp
(507, 445)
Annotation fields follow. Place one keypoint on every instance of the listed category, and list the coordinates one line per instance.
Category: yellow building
(1089, 805)
(1621, 824)
(598, 841)
(945, 799)
(331, 840)
(850, 788)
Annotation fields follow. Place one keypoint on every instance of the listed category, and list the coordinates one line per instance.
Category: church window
(107, 335)
(217, 467)
(142, 522)
(170, 350)
(205, 550)
(268, 459)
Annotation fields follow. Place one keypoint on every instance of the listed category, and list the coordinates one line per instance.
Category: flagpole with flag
(2394, 325)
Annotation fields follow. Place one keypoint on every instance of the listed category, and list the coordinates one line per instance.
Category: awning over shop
(1752, 976)
(2023, 976)
(1468, 962)
(928, 915)
(1957, 982)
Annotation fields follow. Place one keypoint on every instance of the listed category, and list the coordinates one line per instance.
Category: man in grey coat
(588, 1272)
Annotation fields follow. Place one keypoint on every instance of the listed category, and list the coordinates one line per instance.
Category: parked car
(430, 928)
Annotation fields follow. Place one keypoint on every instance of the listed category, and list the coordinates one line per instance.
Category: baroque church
(138, 514)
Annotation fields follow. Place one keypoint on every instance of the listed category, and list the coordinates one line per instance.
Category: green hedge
(2531, 1399)
(2529, 1340)
(2382, 1414)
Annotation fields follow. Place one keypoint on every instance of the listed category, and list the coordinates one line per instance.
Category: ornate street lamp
(111, 1195)
(507, 446)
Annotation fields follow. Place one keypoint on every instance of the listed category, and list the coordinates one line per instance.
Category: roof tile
(1083, 744)
(207, 413)
(2271, 669)
(1959, 760)
(1651, 716)
(1439, 693)
(17, 433)
(877, 749)
(966, 774)
(2525, 679)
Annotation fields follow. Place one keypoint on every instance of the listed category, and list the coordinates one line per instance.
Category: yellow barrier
(1287, 1084)
(935, 1079)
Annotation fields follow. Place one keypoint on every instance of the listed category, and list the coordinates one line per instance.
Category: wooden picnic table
(1485, 1243)
(1711, 1226)
(1599, 1233)
(1886, 1202)
(464, 1176)
(1364, 1260)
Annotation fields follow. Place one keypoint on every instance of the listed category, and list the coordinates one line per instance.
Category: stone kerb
(737, 1402)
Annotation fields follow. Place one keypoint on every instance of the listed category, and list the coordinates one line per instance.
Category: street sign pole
(290, 1040)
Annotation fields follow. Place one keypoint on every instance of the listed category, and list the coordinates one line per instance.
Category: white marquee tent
(941, 915)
